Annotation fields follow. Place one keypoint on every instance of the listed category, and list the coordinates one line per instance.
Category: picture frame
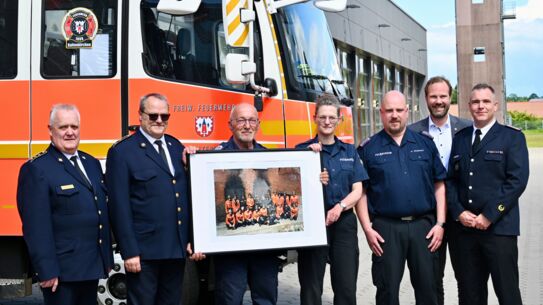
(256, 200)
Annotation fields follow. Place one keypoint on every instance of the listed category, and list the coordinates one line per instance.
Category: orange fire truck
(205, 55)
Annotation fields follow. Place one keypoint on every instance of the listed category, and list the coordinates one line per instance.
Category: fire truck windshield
(308, 49)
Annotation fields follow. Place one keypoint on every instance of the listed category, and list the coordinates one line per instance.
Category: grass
(534, 137)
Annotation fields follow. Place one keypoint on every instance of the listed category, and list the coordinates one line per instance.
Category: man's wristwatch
(441, 224)
(342, 205)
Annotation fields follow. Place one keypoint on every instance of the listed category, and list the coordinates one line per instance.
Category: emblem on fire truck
(204, 125)
(79, 28)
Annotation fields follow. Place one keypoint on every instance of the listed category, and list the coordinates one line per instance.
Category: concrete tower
(480, 50)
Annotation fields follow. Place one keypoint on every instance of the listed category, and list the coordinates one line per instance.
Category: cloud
(523, 44)
(531, 11)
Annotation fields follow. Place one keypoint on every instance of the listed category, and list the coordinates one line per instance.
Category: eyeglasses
(154, 116)
(331, 119)
(242, 122)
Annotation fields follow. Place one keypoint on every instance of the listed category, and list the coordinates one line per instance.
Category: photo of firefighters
(257, 201)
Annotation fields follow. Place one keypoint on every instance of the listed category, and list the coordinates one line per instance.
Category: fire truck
(205, 55)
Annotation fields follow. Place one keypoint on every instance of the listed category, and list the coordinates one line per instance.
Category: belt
(407, 218)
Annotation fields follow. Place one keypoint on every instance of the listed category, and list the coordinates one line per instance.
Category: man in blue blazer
(442, 127)
(149, 206)
(61, 199)
(488, 172)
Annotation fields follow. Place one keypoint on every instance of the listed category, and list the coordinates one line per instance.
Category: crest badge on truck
(204, 125)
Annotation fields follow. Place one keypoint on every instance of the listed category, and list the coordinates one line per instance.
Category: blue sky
(523, 42)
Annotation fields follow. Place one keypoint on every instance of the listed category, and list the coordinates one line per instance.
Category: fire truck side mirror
(175, 7)
(332, 6)
(238, 68)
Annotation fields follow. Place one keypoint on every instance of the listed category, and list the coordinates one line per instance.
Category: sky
(523, 42)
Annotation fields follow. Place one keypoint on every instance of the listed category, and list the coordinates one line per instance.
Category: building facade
(380, 48)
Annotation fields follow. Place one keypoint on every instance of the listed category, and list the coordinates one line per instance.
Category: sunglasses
(154, 116)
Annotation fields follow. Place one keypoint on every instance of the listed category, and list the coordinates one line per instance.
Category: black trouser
(405, 241)
(233, 272)
(71, 293)
(484, 254)
(158, 283)
(342, 253)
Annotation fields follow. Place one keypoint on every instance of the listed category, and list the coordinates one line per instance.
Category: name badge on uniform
(67, 187)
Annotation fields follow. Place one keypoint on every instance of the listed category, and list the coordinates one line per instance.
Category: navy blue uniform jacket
(65, 223)
(148, 205)
(492, 180)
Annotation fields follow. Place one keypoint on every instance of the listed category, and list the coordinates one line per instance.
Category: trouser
(482, 255)
(71, 293)
(342, 253)
(158, 283)
(405, 241)
(233, 272)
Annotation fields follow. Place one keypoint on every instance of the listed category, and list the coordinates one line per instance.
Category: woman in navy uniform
(342, 192)
(62, 203)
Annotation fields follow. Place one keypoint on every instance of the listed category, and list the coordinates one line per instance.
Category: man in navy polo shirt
(402, 208)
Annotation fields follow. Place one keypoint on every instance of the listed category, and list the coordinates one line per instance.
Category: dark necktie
(162, 152)
(476, 141)
(80, 172)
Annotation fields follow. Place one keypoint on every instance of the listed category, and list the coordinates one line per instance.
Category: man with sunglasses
(233, 272)
(149, 206)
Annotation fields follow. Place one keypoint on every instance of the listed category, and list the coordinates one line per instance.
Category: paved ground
(530, 259)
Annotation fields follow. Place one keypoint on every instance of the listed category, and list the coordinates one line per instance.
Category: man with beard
(402, 208)
(442, 127)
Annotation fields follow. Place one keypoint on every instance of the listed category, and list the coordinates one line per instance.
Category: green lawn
(534, 137)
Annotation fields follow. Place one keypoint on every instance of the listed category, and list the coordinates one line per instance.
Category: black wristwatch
(441, 224)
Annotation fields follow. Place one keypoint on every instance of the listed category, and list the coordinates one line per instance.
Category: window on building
(409, 90)
(399, 81)
(362, 97)
(477, 1)
(479, 54)
(389, 78)
(8, 38)
(377, 90)
(76, 55)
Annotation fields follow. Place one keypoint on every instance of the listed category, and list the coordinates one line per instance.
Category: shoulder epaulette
(426, 133)
(121, 139)
(513, 127)
(366, 141)
(40, 154)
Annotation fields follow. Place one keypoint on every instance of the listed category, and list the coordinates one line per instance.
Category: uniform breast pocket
(143, 182)
(67, 200)
(419, 156)
(494, 157)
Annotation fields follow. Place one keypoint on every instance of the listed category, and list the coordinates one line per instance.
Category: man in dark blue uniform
(488, 171)
(442, 126)
(233, 272)
(62, 203)
(149, 206)
(402, 208)
(342, 192)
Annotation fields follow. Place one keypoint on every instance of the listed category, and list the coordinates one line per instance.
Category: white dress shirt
(442, 138)
(164, 145)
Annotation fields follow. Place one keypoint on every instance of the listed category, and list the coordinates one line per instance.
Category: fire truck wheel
(112, 291)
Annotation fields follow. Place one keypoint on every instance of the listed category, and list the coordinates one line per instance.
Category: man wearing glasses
(148, 205)
(233, 272)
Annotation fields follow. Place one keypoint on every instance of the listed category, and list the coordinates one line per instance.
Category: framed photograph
(256, 200)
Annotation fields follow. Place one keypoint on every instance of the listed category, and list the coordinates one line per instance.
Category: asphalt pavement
(530, 246)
